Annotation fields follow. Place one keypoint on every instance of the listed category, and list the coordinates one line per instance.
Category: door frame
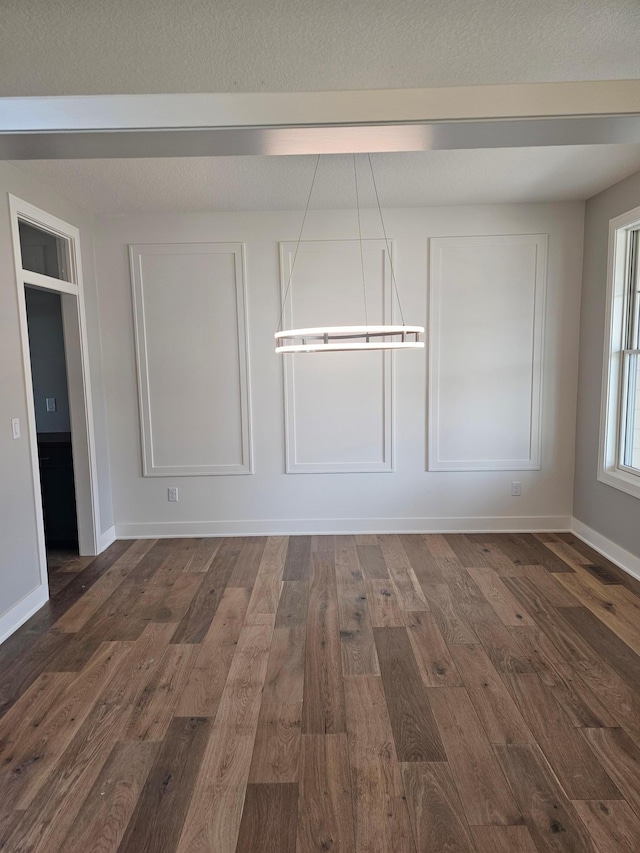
(78, 377)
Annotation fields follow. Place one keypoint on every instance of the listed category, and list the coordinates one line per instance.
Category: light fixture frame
(349, 338)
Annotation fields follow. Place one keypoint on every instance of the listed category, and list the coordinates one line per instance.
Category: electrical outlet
(172, 495)
(51, 404)
(516, 489)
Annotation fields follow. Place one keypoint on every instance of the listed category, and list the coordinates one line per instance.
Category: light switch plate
(51, 404)
(15, 427)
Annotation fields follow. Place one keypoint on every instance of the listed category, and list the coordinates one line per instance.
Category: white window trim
(610, 470)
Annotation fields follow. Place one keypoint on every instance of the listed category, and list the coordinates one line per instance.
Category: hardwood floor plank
(596, 560)
(520, 548)
(82, 610)
(432, 654)
(497, 560)
(202, 554)
(578, 701)
(549, 586)
(381, 818)
(507, 608)
(152, 713)
(31, 709)
(285, 672)
(36, 755)
(405, 584)
(276, 752)
(414, 728)
(548, 814)
(503, 839)
(611, 606)
(269, 818)
(297, 565)
(198, 618)
(502, 721)
(505, 654)
(435, 810)
(323, 709)
(449, 615)
(268, 585)
(607, 644)
(563, 551)
(580, 773)
(205, 684)
(545, 556)
(215, 811)
(468, 549)
(51, 652)
(169, 603)
(356, 634)
(247, 565)
(325, 800)
(370, 557)
(157, 821)
(383, 605)
(103, 817)
(471, 600)
(483, 790)
(611, 823)
(51, 813)
(620, 757)
(423, 563)
(292, 607)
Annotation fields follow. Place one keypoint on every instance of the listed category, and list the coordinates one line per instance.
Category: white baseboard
(107, 538)
(627, 561)
(307, 526)
(23, 610)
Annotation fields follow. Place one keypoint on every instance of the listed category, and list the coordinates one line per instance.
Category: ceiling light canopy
(348, 338)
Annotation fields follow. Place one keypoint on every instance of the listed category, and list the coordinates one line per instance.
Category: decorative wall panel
(191, 347)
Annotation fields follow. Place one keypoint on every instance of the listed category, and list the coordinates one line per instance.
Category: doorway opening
(53, 329)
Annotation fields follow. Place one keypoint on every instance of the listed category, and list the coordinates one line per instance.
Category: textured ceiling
(120, 46)
(281, 183)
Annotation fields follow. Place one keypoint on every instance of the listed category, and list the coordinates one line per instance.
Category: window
(620, 424)
(43, 252)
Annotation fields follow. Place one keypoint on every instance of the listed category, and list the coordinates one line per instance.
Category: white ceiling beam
(597, 112)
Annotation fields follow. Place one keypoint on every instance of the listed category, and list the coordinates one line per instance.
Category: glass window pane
(43, 252)
(631, 455)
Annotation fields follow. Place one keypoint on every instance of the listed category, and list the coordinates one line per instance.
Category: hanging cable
(386, 240)
(364, 290)
(293, 263)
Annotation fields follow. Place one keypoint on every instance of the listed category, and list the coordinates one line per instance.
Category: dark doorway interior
(53, 425)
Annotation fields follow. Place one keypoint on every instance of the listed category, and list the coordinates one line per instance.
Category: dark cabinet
(58, 490)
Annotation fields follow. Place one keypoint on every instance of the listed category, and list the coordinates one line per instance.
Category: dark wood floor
(370, 693)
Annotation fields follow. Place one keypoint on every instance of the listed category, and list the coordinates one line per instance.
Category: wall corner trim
(627, 561)
(106, 539)
(23, 610)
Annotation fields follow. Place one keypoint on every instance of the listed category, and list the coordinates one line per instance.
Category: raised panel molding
(338, 407)
(191, 344)
(486, 337)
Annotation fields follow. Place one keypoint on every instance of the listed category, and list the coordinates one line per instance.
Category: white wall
(19, 570)
(408, 498)
(607, 511)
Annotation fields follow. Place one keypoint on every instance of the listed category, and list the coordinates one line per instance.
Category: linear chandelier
(348, 338)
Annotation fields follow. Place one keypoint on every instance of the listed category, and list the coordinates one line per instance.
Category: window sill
(621, 480)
